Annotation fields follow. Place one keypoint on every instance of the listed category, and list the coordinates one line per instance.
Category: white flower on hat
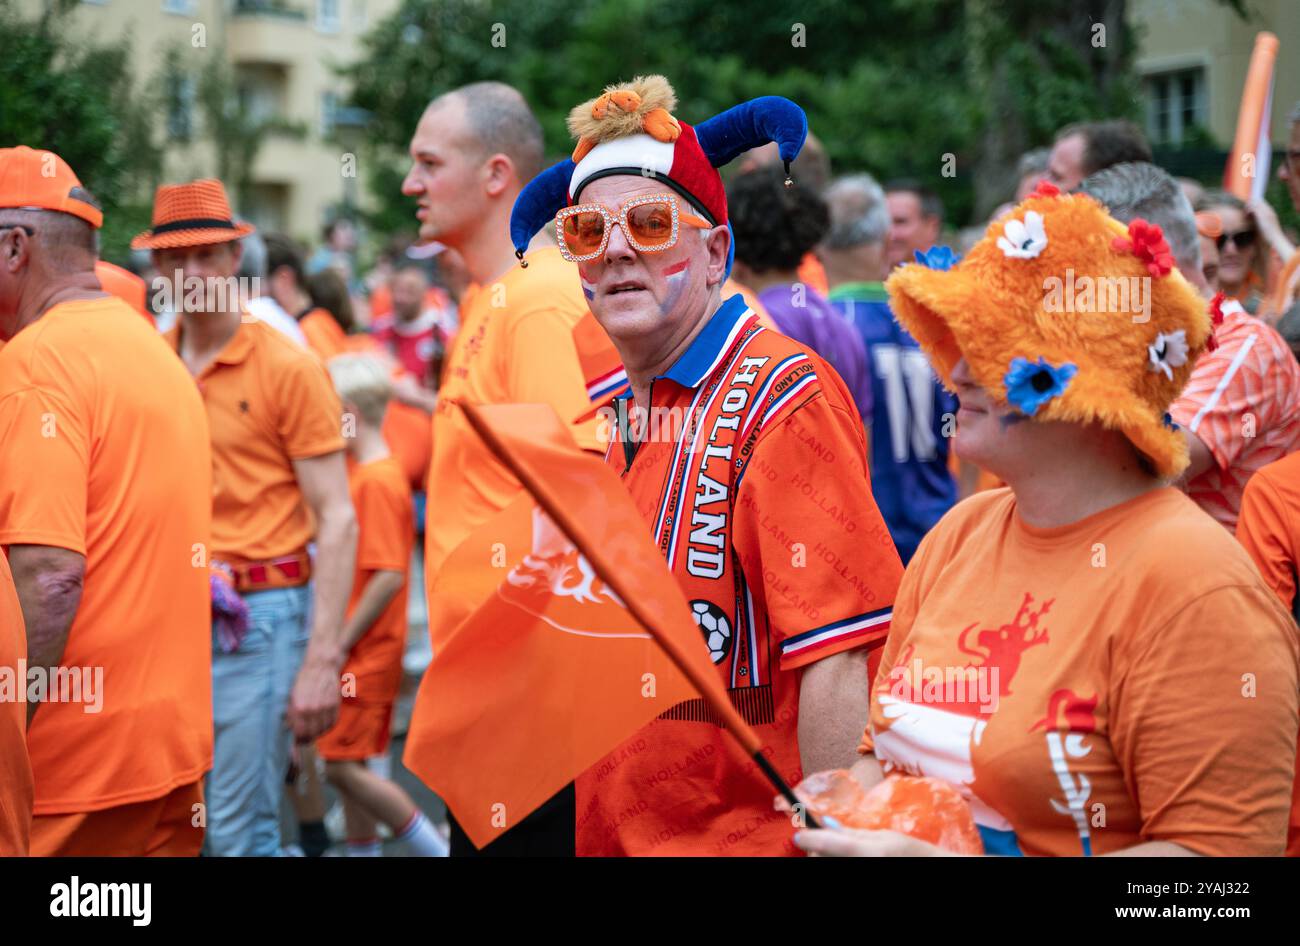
(1168, 351)
(1024, 240)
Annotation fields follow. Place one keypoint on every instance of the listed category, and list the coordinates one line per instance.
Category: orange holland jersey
(515, 346)
(1243, 402)
(15, 768)
(1131, 664)
(104, 451)
(759, 501)
(269, 402)
(382, 499)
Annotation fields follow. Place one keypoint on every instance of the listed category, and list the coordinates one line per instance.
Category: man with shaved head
(105, 515)
(472, 152)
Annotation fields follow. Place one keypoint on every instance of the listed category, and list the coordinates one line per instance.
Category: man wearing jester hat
(746, 454)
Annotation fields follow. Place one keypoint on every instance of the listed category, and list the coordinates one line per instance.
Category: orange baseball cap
(41, 180)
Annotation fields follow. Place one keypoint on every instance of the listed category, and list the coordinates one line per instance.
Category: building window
(180, 107)
(184, 7)
(1176, 103)
(329, 108)
(327, 16)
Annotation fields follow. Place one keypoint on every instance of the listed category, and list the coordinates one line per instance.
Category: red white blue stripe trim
(828, 635)
(608, 385)
(787, 396)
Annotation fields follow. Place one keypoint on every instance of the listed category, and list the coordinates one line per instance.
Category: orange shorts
(170, 826)
(362, 731)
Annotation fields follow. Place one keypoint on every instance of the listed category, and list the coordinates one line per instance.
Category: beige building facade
(1192, 59)
(281, 56)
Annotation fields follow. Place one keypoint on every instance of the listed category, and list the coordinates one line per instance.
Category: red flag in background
(575, 635)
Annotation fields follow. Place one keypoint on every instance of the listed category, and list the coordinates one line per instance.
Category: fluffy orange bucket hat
(1067, 314)
(193, 214)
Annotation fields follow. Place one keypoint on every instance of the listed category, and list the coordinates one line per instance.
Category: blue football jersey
(911, 414)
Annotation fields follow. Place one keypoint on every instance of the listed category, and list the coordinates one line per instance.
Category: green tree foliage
(62, 92)
(894, 87)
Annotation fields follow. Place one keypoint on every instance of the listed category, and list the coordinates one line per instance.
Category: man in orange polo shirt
(279, 481)
(471, 154)
(105, 486)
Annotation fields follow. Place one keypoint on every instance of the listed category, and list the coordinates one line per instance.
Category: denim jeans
(250, 694)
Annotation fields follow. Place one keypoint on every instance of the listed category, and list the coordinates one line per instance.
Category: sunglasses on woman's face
(650, 225)
(1241, 239)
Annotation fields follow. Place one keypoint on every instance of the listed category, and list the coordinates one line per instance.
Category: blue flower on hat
(941, 258)
(1030, 386)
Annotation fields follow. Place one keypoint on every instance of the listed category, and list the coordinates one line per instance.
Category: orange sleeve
(809, 533)
(383, 514)
(44, 471)
(311, 415)
(1262, 531)
(1203, 721)
(544, 369)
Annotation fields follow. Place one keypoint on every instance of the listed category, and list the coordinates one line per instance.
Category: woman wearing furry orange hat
(1086, 655)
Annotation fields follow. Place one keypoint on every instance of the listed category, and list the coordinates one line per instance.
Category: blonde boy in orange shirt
(375, 628)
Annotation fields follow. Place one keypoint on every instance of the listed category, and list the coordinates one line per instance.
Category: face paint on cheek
(1010, 420)
(675, 277)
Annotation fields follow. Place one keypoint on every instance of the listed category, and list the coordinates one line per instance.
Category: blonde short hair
(362, 380)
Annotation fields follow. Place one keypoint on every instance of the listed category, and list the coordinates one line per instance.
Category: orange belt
(289, 571)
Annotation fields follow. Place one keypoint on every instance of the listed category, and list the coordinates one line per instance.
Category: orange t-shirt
(1269, 525)
(1269, 530)
(408, 431)
(124, 284)
(15, 768)
(324, 336)
(515, 346)
(269, 402)
(382, 499)
(1122, 679)
(104, 451)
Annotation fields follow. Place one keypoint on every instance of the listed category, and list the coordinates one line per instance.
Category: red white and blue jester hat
(630, 129)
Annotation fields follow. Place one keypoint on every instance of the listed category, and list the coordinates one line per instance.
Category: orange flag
(571, 634)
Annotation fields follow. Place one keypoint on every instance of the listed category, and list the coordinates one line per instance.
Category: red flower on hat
(1146, 241)
(1046, 188)
(1216, 319)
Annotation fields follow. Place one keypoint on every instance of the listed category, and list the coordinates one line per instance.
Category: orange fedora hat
(193, 214)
